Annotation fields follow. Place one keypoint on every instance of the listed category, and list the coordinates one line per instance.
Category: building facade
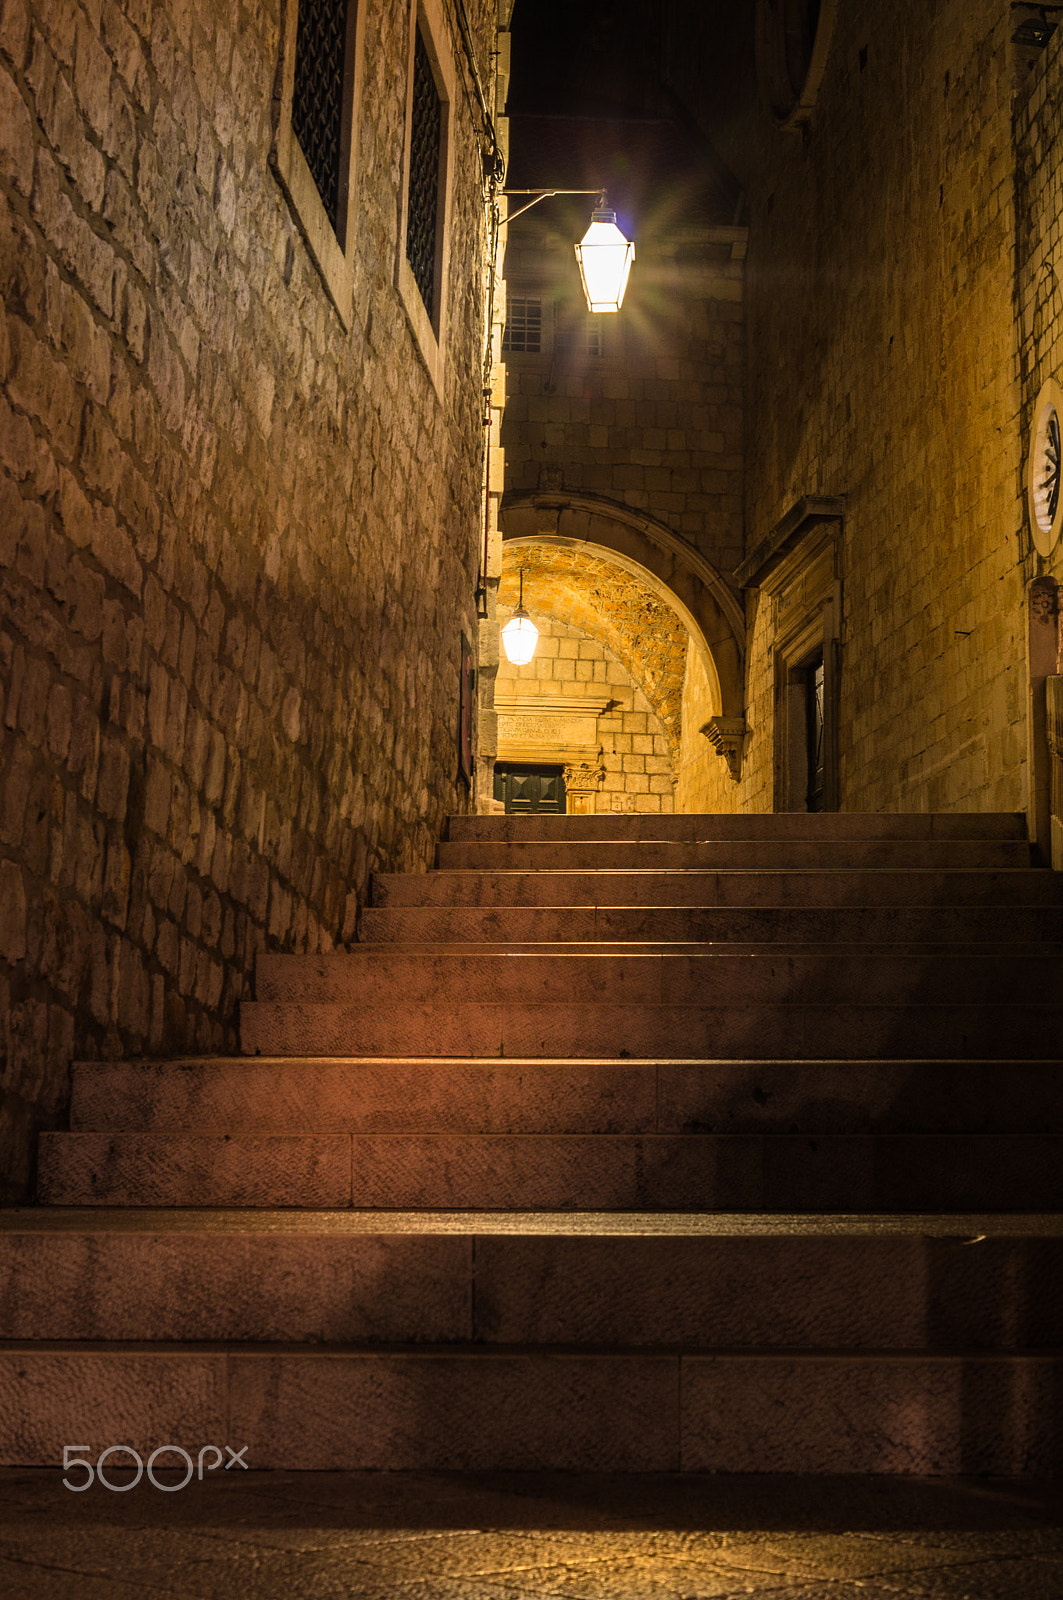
(245, 265)
(623, 438)
(898, 302)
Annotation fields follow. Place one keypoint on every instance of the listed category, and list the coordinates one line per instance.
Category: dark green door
(529, 790)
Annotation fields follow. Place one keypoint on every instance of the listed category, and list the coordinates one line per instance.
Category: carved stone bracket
(726, 735)
(584, 775)
(583, 779)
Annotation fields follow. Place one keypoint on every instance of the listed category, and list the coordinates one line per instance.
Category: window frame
(429, 332)
(566, 328)
(332, 250)
(543, 320)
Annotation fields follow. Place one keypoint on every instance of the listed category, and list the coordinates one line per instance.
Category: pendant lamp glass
(605, 258)
(520, 635)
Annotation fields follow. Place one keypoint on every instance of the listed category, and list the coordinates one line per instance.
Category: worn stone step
(285, 1095)
(799, 1030)
(469, 1409)
(680, 975)
(1033, 886)
(729, 1172)
(1012, 924)
(156, 1276)
(779, 826)
(573, 855)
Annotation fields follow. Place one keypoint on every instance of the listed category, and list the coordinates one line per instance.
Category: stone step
(796, 1030)
(1009, 924)
(464, 1408)
(282, 1095)
(510, 1189)
(678, 975)
(574, 855)
(372, 1278)
(780, 826)
(1032, 886)
(612, 1172)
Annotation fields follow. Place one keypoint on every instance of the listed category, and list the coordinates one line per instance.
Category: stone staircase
(619, 1143)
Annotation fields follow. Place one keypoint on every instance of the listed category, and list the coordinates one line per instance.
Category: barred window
(320, 97)
(524, 326)
(426, 125)
(579, 337)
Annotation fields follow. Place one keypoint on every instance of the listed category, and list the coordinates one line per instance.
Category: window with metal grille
(579, 337)
(422, 207)
(320, 113)
(524, 326)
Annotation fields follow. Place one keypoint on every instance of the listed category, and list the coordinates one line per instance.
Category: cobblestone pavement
(374, 1536)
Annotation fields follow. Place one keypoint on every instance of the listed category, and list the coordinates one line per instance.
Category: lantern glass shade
(605, 258)
(519, 638)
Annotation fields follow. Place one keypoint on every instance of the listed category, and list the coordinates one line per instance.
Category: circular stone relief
(793, 38)
(1044, 468)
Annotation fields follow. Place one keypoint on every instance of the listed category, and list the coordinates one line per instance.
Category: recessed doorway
(530, 791)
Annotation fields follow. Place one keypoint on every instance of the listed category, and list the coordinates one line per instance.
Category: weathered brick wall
(636, 750)
(881, 321)
(237, 543)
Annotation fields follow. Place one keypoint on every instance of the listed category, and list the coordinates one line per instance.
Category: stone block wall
(238, 543)
(655, 422)
(703, 779)
(636, 752)
(882, 368)
(1039, 209)
(1039, 200)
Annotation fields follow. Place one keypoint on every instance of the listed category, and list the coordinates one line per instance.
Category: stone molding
(583, 779)
(727, 735)
(673, 544)
(769, 553)
(565, 705)
(550, 729)
(332, 251)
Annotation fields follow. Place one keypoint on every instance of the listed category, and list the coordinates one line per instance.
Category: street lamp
(604, 255)
(605, 258)
(520, 635)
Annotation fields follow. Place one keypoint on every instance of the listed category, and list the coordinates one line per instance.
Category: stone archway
(710, 611)
(614, 602)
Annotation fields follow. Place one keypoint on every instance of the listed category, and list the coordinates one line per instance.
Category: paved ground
(373, 1536)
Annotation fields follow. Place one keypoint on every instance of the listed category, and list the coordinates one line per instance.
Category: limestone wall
(238, 541)
(882, 368)
(655, 421)
(703, 782)
(1039, 197)
(643, 410)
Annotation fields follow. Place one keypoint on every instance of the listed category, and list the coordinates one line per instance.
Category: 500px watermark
(79, 1455)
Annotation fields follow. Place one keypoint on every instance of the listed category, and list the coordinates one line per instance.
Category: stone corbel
(726, 735)
(583, 779)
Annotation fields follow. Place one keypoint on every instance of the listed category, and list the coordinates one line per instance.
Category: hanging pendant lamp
(520, 635)
(605, 258)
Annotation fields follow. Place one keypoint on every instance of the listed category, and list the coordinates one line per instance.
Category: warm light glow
(605, 258)
(519, 638)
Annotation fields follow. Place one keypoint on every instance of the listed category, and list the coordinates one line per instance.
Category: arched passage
(677, 572)
(612, 601)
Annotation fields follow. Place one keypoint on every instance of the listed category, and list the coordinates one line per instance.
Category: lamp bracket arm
(540, 194)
